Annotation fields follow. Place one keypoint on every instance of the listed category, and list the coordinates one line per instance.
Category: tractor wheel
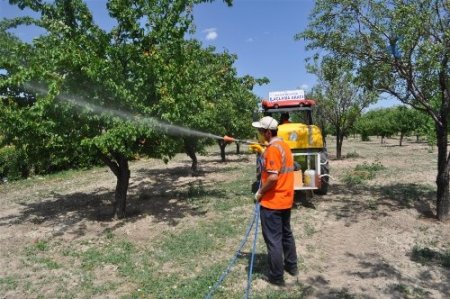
(324, 171)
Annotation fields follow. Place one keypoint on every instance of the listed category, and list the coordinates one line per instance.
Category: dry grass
(372, 236)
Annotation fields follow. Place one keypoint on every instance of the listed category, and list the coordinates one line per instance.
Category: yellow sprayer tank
(301, 136)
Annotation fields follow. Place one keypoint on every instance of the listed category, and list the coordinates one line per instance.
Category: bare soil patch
(358, 241)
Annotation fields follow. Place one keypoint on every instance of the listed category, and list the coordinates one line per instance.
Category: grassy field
(372, 236)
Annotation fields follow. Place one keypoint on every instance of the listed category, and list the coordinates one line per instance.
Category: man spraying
(276, 196)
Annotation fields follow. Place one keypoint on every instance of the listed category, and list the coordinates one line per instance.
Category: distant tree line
(398, 121)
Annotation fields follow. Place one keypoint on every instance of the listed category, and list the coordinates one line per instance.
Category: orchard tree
(78, 64)
(340, 97)
(40, 151)
(187, 84)
(364, 127)
(245, 106)
(234, 114)
(401, 48)
(406, 120)
(76, 59)
(426, 129)
(207, 95)
(377, 122)
(386, 122)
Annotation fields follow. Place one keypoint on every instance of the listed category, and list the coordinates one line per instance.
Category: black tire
(324, 171)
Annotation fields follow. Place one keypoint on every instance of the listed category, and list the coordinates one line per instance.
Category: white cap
(267, 122)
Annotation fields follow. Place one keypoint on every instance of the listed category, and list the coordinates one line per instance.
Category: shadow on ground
(312, 287)
(373, 266)
(352, 203)
(164, 198)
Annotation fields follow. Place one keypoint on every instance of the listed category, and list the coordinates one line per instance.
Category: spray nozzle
(229, 139)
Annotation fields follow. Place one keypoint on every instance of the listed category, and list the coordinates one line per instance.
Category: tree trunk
(442, 180)
(322, 128)
(222, 145)
(339, 141)
(238, 148)
(123, 180)
(401, 139)
(119, 166)
(364, 137)
(190, 146)
(24, 168)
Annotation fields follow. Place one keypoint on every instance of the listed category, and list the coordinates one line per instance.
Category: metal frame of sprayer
(313, 156)
(313, 173)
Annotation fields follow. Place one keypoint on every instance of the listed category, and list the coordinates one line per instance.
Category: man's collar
(275, 139)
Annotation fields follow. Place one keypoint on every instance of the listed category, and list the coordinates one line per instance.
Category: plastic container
(310, 178)
(298, 181)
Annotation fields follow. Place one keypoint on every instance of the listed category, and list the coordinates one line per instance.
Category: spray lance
(255, 147)
(231, 139)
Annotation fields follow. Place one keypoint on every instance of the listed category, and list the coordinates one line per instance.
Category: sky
(260, 32)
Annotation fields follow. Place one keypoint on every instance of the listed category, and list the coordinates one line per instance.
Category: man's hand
(258, 196)
(256, 148)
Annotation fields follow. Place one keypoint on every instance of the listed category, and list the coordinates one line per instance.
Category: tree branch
(111, 164)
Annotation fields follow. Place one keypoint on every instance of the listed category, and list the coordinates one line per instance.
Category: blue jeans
(277, 233)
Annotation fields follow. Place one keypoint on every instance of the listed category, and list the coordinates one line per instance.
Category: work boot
(278, 282)
(292, 271)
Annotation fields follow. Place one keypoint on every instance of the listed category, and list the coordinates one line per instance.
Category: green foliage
(37, 253)
(406, 119)
(205, 94)
(426, 128)
(426, 255)
(92, 88)
(179, 264)
(117, 253)
(423, 254)
(160, 75)
(364, 127)
(446, 259)
(386, 40)
(399, 48)
(340, 96)
(46, 138)
(372, 168)
(353, 154)
(378, 122)
(10, 162)
(191, 243)
(8, 283)
(410, 292)
(309, 229)
(363, 172)
(386, 122)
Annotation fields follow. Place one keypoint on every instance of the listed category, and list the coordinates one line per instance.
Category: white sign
(298, 94)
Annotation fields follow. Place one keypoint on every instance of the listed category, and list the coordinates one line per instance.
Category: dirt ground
(354, 242)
